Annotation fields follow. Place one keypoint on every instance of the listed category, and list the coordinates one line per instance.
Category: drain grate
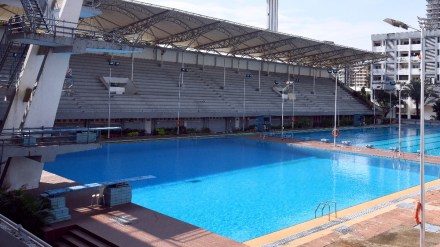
(430, 228)
(343, 230)
(405, 205)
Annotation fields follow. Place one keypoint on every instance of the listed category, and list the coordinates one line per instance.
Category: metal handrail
(24, 234)
(35, 137)
(324, 205)
(26, 24)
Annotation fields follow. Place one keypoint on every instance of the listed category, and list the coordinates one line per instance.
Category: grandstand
(202, 94)
(58, 68)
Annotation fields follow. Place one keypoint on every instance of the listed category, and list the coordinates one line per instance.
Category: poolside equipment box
(86, 137)
(358, 120)
(117, 194)
(346, 143)
(58, 210)
(263, 123)
(324, 140)
(29, 141)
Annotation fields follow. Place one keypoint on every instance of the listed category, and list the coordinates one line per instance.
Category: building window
(404, 42)
(403, 66)
(403, 77)
(377, 66)
(415, 41)
(403, 54)
(415, 53)
(415, 65)
(377, 78)
(377, 43)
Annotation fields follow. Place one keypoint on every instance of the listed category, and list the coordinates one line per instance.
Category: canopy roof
(167, 27)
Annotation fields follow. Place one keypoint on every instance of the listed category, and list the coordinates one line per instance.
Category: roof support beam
(266, 47)
(143, 24)
(189, 34)
(230, 42)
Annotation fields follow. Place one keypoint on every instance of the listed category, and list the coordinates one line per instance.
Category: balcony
(403, 47)
(403, 71)
(378, 71)
(378, 49)
(415, 47)
(403, 59)
(415, 71)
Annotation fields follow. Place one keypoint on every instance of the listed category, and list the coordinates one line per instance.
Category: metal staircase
(12, 55)
(35, 10)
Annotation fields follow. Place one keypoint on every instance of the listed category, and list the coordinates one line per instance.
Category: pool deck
(128, 224)
(387, 221)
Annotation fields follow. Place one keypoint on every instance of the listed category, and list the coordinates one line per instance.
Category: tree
(412, 90)
(436, 109)
(383, 100)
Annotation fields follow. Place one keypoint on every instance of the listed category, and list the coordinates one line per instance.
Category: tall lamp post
(182, 71)
(422, 30)
(288, 83)
(335, 131)
(111, 63)
(244, 98)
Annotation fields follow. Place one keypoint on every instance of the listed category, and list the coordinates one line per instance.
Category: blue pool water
(241, 188)
(383, 137)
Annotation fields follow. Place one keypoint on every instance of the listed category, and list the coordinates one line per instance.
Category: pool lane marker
(330, 224)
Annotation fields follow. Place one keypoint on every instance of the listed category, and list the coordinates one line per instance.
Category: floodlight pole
(293, 105)
(422, 120)
(244, 98)
(109, 94)
(110, 63)
(422, 137)
(335, 130)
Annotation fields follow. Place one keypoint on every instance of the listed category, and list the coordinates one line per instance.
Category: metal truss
(294, 54)
(271, 46)
(230, 42)
(157, 26)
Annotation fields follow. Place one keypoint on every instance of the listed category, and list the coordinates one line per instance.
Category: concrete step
(87, 237)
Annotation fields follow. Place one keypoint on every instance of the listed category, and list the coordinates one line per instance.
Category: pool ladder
(327, 204)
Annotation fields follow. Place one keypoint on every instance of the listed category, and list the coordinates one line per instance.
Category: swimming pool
(241, 188)
(382, 137)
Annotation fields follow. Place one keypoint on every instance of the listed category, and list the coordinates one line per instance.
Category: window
(415, 41)
(377, 78)
(415, 53)
(404, 42)
(403, 77)
(377, 43)
(403, 54)
(377, 66)
(403, 65)
(415, 65)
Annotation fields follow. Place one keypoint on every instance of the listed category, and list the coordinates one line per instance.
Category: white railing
(22, 234)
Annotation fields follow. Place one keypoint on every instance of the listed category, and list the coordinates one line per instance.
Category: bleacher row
(202, 94)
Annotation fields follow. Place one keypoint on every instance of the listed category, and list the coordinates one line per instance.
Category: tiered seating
(201, 95)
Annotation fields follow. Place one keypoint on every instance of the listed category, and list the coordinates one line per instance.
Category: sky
(345, 22)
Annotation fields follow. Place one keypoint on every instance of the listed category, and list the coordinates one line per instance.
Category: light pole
(111, 63)
(335, 131)
(423, 24)
(244, 97)
(182, 70)
(288, 83)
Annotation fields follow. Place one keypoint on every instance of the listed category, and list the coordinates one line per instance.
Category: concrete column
(42, 108)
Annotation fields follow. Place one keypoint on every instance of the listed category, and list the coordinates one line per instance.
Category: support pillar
(44, 73)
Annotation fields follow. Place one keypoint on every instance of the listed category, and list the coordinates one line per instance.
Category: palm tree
(383, 100)
(412, 90)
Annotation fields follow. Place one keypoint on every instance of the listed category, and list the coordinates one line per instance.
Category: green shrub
(133, 133)
(24, 209)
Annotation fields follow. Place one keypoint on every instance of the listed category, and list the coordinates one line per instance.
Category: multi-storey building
(403, 63)
(356, 77)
